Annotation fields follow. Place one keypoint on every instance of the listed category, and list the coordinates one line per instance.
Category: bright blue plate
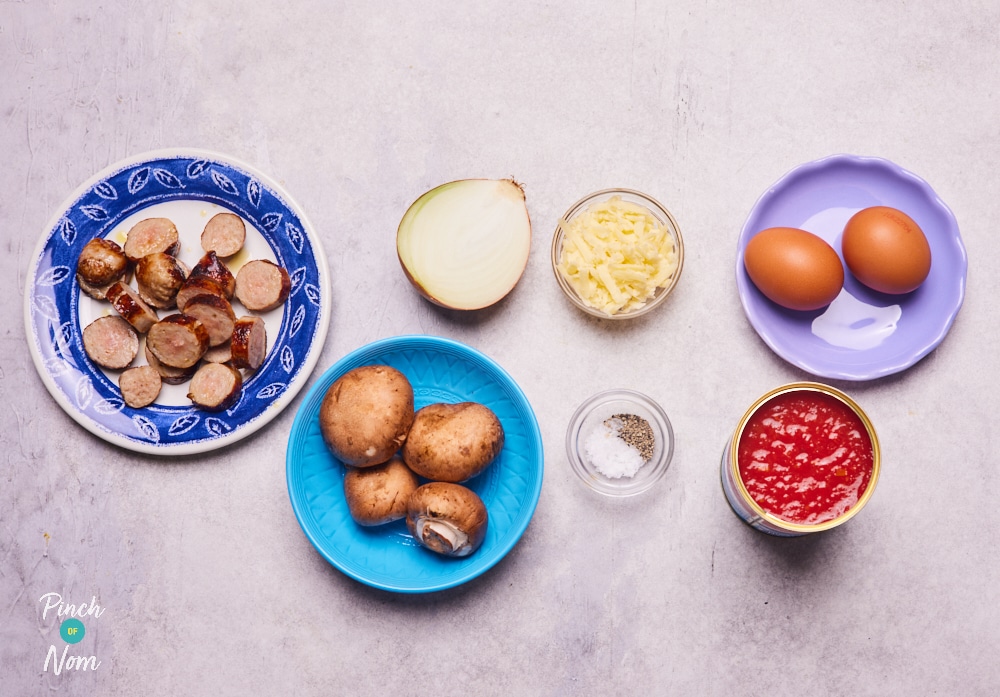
(386, 556)
(187, 186)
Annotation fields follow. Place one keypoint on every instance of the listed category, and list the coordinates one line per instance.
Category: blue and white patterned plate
(189, 187)
(386, 556)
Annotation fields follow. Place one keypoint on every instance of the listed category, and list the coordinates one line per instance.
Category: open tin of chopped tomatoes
(804, 458)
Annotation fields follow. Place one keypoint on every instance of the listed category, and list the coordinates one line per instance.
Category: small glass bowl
(658, 212)
(592, 413)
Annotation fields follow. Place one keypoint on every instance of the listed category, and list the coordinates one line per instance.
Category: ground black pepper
(637, 432)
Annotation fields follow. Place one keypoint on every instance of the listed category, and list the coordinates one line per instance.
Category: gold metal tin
(749, 510)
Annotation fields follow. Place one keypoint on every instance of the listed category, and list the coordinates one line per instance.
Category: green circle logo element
(72, 630)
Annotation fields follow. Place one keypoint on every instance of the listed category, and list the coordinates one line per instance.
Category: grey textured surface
(209, 585)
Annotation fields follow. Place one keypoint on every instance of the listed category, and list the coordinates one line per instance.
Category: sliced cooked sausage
(195, 286)
(224, 234)
(152, 235)
(111, 342)
(215, 386)
(131, 307)
(211, 266)
(215, 312)
(159, 277)
(96, 292)
(169, 374)
(101, 263)
(249, 344)
(178, 341)
(262, 285)
(140, 386)
(223, 353)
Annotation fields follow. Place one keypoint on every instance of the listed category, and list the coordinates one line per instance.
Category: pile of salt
(612, 453)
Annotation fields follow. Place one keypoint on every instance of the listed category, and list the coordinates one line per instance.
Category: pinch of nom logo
(71, 630)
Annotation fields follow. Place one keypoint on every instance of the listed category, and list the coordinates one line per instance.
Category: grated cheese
(615, 254)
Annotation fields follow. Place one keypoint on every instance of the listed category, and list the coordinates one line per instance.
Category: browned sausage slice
(131, 307)
(178, 341)
(169, 374)
(159, 277)
(223, 353)
(140, 386)
(224, 234)
(215, 386)
(212, 267)
(195, 286)
(249, 344)
(101, 263)
(215, 312)
(96, 292)
(111, 342)
(262, 285)
(152, 235)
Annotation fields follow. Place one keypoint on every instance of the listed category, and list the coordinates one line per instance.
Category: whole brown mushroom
(366, 414)
(379, 494)
(447, 518)
(453, 442)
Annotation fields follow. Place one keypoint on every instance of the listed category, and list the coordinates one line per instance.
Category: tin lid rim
(781, 523)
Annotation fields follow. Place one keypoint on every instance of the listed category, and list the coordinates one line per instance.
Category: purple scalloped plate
(864, 334)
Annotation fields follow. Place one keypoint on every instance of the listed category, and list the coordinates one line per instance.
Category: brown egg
(794, 268)
(886, 250)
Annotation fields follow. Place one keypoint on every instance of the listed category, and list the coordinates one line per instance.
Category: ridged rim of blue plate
(386, 556)
(857, 182)
(94, 210)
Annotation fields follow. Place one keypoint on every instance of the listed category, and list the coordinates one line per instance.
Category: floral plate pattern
(174, 180)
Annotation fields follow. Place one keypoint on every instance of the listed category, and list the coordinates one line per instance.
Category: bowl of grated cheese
(620, 442)
(617, 253)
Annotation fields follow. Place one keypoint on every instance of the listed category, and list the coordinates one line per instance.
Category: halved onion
(464, 245)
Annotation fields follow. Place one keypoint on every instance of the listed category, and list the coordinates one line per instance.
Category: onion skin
(428, 294)
(419, 288)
